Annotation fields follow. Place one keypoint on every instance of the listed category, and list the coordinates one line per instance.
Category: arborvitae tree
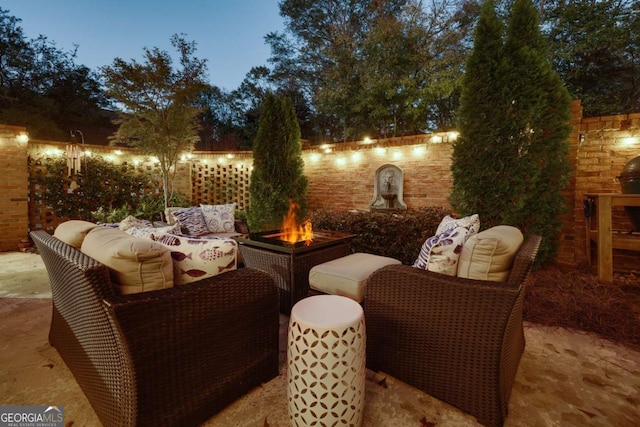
(539, 123)
(478, 164)
(511, 163)
(278, 169)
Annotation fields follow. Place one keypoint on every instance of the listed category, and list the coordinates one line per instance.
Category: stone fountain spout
(388, 187)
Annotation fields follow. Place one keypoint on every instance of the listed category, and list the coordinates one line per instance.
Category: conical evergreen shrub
(510, 164)
(278, 168)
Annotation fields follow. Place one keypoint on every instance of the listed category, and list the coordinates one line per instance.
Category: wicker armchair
(459, 340)
(162, 358)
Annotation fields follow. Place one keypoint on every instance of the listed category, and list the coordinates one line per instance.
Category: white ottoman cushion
(347, 276)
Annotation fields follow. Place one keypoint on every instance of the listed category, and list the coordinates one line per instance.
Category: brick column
(14, 185)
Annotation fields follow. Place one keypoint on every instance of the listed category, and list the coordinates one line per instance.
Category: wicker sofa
(166, 357)
(457, 339)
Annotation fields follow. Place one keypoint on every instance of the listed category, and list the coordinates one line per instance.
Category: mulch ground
(572, 297)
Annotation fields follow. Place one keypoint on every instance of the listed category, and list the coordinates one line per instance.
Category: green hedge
(397, 235)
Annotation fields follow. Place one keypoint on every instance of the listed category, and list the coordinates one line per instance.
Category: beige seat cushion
(489, 254)
(73, 232)
(347, 276)
(136, 265)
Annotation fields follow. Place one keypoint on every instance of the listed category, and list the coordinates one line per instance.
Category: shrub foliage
(398, 235)
(105, 191)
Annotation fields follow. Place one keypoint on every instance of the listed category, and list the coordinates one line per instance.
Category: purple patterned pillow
(440, 253)
(471, 223)
(219, 218)
(148, 232)
(191, 219)
(132, 221)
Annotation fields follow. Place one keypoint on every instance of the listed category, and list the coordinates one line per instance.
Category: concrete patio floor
(565, 377)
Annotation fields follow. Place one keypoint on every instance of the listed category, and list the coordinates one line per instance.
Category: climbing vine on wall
(101, 185)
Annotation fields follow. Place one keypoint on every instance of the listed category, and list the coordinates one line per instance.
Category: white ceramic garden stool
(326, 362)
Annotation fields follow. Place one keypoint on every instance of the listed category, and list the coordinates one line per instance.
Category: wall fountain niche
(387, 189)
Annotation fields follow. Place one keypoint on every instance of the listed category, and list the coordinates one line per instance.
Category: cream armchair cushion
(489, 254)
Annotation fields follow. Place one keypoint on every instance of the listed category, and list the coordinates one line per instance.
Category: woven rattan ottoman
(326, 362)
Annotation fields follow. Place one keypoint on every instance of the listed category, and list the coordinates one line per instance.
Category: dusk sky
(229, 33)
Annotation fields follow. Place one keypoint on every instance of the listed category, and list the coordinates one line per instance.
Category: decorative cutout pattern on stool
(326, 375)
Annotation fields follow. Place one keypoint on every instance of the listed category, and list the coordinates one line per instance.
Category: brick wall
(341, 176)
(605, 145)
(14, 220)
(344, 177)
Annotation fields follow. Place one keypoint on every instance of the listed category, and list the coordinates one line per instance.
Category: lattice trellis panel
(221, 183)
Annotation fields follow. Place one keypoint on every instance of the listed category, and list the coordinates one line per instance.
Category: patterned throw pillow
(149, 232)
(440, 253)
(132, 221)
(191, 219)
(471, 223)
(219, 218)
(197, 258)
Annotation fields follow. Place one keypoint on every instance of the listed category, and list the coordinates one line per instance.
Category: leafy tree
(372, 68)
(219, 128)
(278, 169)
(540, 125)
(248, 102)
(413, 60)
(43, 89)
(595, 51)
(321, 49)
(160, 104)
(511, 163)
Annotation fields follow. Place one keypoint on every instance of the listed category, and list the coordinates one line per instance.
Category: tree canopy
(372, 68)
(352, 68)
(596, 51)
(43, 89)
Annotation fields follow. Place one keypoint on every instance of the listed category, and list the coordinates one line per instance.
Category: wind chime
(73, 160)
(74, 163)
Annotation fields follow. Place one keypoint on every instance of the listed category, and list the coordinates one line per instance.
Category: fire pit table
(289, 263)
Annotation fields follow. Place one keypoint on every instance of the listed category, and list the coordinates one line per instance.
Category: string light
(419, 150)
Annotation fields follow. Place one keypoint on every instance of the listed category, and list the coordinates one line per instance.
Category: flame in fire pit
(293, 232)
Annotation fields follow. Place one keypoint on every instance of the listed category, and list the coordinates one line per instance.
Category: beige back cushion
(489, 254)
(136, 265)
(73, 232)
